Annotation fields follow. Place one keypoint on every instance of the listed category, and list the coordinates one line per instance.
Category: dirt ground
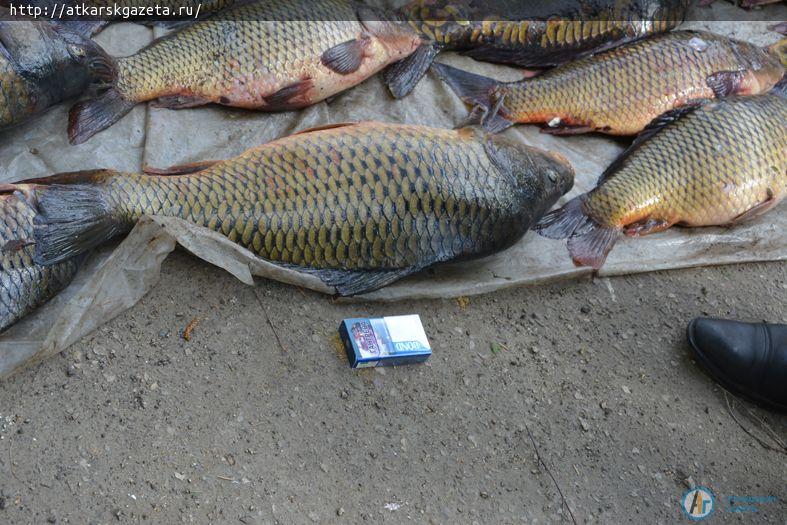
(258, 418)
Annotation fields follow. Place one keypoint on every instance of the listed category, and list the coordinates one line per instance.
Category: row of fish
(275, 55)
(363, 205)
(358, 205)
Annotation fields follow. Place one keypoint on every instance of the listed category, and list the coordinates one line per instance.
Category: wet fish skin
(534, 34)
(717, 164)
(360, 205)
(240, 58)
(620, 91)
(40, 66)
(540, 34)
(24, 285)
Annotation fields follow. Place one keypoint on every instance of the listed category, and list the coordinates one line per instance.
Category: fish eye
(77, 51)
(552, 176)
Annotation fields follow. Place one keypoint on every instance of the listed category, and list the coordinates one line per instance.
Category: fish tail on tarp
(97, 114)
(589, 242)
(73, 218)
(480, 93)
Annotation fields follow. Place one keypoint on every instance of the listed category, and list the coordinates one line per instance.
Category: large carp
(358, 205)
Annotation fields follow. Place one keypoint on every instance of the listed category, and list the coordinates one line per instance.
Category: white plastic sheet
(116, 278)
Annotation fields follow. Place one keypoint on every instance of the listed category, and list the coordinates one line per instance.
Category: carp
(716, 163)
(619, 92)
(358, 205)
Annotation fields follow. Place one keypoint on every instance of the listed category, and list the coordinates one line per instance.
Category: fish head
(54, 59)
(396, 36)
(763, 67)
(546, 173)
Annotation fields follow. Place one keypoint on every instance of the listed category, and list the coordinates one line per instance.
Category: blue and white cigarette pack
(384, 341)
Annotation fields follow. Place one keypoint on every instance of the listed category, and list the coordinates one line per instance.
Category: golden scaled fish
(359, 205)
(40, 66)
(714, 164)
(620, 91)
(24, 285)
(531, 34)
(270, 55)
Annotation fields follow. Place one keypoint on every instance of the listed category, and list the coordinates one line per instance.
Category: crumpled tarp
(116, 277)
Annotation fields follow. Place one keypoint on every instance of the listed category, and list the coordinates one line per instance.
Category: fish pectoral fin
(179, 102)
(725, 83)
(289, 97)
(181, 169)
(346, 57)
(756, 210)
(646, 227)
(355, 282)
(566, 130)
(402, 77)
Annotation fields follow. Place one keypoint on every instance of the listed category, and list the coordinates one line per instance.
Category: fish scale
(533, 34)
(735, 153)
(239, 47)
(621, 90)
(271, 55)
(24, 285)
(640, 80)
(15, 100)
(362, 197)
(719, 163)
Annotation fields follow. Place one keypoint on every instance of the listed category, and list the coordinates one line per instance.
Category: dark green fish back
(537, 34)
(360, 197)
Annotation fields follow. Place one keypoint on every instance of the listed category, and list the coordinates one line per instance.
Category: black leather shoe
(748, 359)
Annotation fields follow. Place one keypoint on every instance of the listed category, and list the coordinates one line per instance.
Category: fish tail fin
(478, 92)
(561, 223)
(402, 77)
(92, 116)
(71, 220)
(589, 242)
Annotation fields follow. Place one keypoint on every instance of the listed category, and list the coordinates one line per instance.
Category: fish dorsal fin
(651, 130)
(181, 169)
(69, 177)
(323, 127)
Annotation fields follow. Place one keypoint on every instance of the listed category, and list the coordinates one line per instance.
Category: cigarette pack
(384, 341)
